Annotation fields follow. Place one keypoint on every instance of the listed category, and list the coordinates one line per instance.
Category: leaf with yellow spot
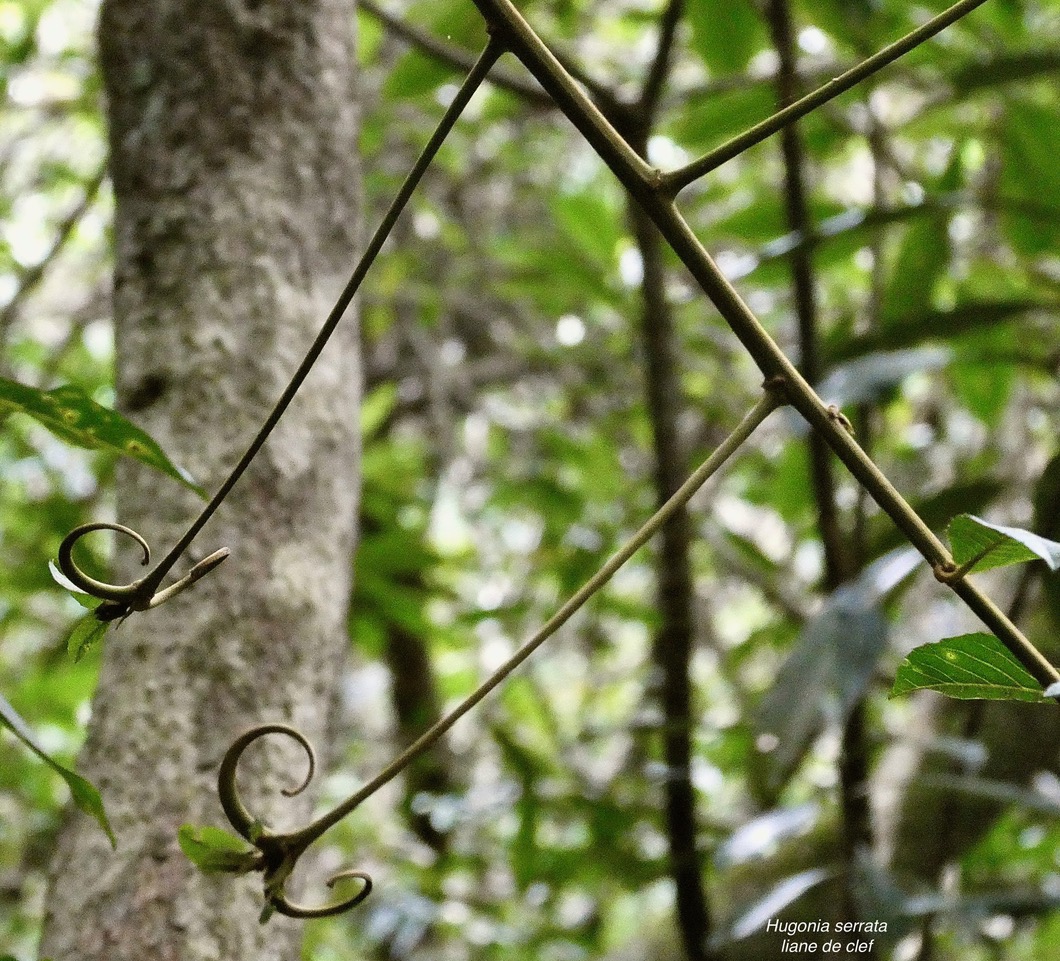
(972, 666)
(70, 414)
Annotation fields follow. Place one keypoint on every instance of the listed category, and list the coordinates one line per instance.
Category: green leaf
(85, 796)
(984, 546)
(971, 667)
(70, 414)
(212, 850)
(86, 633)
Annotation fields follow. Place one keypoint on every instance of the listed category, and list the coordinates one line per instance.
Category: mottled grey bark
(233, 136)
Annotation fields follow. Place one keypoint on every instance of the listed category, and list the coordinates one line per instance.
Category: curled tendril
(140, 595)
(281, 851)
(292, 910)
(77, 577)
(235, 810)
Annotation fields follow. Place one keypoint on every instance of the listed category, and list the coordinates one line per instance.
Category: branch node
(946, 572)
(778, 386)
(140, 595)
(280, 852)
(836, 416)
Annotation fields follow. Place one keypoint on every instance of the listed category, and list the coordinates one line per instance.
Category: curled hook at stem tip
(293, 910)
(235, 810)
(139, 595)
(90, 585)
(281, 851)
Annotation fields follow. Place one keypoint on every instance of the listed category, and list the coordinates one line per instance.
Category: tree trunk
(233, 140)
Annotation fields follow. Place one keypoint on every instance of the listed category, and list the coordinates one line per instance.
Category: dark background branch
(853, 760)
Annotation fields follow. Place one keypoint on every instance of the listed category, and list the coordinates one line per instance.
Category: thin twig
(852, 764)
(698, 478)
(674, 638)
(146, 586)
(277, 854)
(679, 179)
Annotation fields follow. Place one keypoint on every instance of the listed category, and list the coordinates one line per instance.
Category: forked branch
(679, 179)
(278, 853)
(651, 189)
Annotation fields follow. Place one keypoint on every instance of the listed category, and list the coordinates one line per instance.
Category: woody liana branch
(656, 193)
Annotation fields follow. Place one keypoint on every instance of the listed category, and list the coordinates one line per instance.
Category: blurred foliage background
(509, 447)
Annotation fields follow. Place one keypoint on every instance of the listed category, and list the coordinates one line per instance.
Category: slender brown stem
(853, 759)
(674, 638)
(149, 584)
(784, 382)
(676, 503)
(644, 183)
(679, 179)
(279, 853)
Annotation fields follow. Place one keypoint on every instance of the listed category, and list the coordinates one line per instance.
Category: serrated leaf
(85, 796)
(985, 546)
(212, 850)
(70, 414)
(970, 667)
(85, 634)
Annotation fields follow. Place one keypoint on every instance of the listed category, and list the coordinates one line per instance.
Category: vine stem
(677, 180)
(471, 83)
(766, 405)
(648, 186)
